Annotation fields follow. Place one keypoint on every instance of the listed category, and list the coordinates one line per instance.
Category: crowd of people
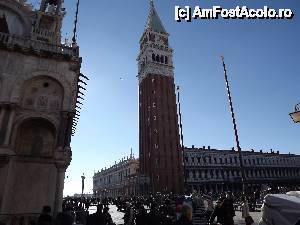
(161, 209)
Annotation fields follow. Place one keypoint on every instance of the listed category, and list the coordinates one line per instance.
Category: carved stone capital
(63, 158)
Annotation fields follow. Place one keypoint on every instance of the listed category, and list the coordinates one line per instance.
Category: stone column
(60, 179)
(2, 111)
(202, 174)
(9, 126)
(7, 206)
(225, 175)
(190, 175)
(62, 129)
(69, 129)
(4, 114)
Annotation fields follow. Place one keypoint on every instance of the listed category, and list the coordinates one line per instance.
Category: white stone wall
(112, 181)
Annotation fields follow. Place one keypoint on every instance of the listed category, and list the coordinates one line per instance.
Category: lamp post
(296, 115)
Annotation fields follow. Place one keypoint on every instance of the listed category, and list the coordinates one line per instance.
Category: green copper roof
(154, 23)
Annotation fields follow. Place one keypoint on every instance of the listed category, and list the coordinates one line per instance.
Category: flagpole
(234, 126)
(75, 23)
(181, 132)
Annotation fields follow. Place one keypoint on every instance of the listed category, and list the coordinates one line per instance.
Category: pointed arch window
(157, 58)
(166, 60)
(3, 24)
(162, 59)
(153, 57)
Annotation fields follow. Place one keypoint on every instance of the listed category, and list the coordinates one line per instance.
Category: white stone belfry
(156, 56)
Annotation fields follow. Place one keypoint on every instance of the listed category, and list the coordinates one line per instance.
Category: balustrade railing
(43, 33)
(14, 40)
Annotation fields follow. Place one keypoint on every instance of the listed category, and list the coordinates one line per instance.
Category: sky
(262, 58)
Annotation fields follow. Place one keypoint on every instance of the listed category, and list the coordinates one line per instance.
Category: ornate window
(166, 60)
(162, 59)
(157, 58)
(36, 137)
(43, 93)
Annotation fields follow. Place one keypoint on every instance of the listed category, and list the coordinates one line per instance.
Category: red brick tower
(159, 141)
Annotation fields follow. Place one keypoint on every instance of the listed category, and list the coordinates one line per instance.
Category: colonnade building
(117, 180)
(207, 170)
(212, 170)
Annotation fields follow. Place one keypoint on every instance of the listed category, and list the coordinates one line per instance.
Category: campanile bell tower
(159, 141)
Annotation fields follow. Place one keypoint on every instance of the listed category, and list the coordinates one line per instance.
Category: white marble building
(117, 180)
(212, 170)
(207, 170)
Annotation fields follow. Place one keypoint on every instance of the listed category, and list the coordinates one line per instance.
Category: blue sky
(262, 57)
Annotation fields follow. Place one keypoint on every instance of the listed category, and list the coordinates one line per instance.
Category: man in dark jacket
(224, 212)
(186, 216)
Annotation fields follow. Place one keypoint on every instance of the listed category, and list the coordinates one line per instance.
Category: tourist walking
(186, 216)
(224, 212)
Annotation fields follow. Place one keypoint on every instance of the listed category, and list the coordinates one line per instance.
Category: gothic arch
(157, 58)
(162, 59)
(68, 90)
(35, 137)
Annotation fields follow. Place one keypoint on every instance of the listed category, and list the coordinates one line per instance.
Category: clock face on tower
(12, 20)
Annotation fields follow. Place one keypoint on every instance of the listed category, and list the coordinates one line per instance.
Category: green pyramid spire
(153, 22)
